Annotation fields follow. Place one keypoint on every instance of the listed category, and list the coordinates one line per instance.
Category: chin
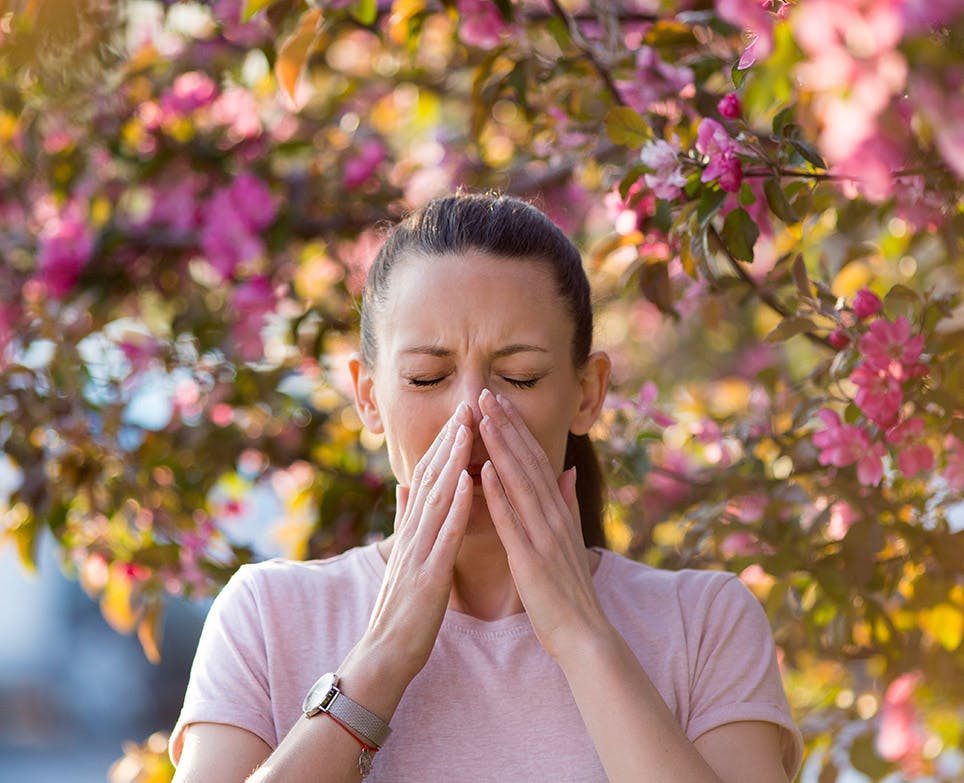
(480, 523)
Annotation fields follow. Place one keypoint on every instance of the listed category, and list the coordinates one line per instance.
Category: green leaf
(364, 11)
(627, 128)
(863, 755)
(655, 286)
(801, 278)
(778, 202)
(630, 178)
(740, 233)
(710, 203)
(783, 118)
(790, 327)
(809, 153)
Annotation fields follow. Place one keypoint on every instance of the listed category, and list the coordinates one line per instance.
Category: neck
(482, 585)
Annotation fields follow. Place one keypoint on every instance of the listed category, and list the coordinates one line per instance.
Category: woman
(495, 644)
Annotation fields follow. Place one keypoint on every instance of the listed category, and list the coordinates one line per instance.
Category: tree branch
(765, 296)
(586, 49)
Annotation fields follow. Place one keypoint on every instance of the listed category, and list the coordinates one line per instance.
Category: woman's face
(453, 326)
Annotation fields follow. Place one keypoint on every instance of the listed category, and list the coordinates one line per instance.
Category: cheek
(410, 429)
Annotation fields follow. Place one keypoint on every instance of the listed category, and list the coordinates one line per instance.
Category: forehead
(472, 298)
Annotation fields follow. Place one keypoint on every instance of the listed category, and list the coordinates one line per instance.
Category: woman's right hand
(430, 522)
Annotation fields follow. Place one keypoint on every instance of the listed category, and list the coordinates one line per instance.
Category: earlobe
(363, 385)
(594, 383)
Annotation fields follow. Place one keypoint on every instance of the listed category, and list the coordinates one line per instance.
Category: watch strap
(365, 724)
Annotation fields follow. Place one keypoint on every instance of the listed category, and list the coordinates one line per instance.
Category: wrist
(373, 677)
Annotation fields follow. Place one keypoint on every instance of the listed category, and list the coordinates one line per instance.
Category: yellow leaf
(115, 603)
(294, 52)
(150, 630)
(945, 624)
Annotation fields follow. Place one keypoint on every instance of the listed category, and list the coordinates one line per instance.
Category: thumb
(401, 503)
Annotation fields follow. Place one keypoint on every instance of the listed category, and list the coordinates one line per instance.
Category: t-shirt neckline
(466, 624)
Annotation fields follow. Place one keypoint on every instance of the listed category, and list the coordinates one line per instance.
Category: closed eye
(519, 383)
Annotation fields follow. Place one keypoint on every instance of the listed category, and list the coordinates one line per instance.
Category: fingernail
(485, 396)
(502, 400)
(460, 435)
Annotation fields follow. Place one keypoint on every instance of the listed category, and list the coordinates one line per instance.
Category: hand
(430, 522)
(537, 519)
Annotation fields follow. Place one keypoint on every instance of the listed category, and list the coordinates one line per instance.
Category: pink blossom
(66, 245)
(655, 80)
(920, 15)
(953, 472)
(190, 92)
(867, 303)
(226, 239)
(839, 339)
(752, 16)
(237, 109)
(944, 110)
(730, 106)
(868, 169)
(739, 545)
(913, 457)
(251, 33)
(646, 406)
(251, 301)
(175, 204)
(360, 168)
(482, 25)
(666, 179)
(724, 164)
(842, 516)
(900, 737)
(255, 202)
(879, 395)
(889, 347)
(845, 444)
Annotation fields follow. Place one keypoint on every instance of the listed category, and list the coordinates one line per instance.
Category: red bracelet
(350, 733)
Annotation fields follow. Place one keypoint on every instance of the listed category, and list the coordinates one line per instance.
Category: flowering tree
(769, 198)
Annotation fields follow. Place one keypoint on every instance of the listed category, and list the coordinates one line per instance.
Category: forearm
(634, 732)
(318, 748)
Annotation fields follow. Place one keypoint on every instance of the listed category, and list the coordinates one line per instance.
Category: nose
(469, 393)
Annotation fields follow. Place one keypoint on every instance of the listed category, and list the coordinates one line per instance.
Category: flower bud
(867, 303)
(730, 106)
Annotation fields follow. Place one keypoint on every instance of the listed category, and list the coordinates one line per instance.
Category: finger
(533, 455)
(507, 523)
(450, 535)
(440, 439)
(567, 488)
(520, 485)
(433, 500)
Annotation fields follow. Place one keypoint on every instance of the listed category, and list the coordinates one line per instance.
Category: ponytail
(589, 487)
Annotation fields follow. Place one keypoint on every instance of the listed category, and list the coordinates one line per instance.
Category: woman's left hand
(537, 517)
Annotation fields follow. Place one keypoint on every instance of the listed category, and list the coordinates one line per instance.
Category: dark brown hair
(508, 228)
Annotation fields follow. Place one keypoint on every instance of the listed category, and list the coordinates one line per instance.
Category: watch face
(318, 697)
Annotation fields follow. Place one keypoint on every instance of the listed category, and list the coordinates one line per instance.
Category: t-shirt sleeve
(229, 682)
(735, 672)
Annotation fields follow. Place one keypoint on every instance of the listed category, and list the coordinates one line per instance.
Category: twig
(586, 49)
(765, 296)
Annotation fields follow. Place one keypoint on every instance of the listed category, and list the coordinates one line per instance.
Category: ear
(363, 384)
(593, 383)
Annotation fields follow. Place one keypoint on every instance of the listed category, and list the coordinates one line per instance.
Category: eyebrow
(508, 350)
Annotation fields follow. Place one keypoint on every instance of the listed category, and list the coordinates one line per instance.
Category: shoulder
(692, 601)
(356, 568)
(618, 573)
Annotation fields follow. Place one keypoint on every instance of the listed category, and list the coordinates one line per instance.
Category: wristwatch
(325, 696)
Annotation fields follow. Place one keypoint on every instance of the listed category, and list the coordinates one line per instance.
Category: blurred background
(768, 197)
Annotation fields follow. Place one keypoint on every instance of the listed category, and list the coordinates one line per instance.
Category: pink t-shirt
(490, 704)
